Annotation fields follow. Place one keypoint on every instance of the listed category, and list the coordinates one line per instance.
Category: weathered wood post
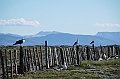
(46, 55)
(15, 61)
(108, 51)
(97, 55)
(2, 63)
(31, 61)
(116, 48)
(11, 63)
(113, 51)
(62, 58)
(38, 57)
(68, 56)
(74, 56)
(41, 62)
(77, 52)
(52, 56)
(6, 59)
(56, 57)
(28, 60)
(94, 51)
(70, 50)
(59, 56)
(34, 59)
(101, 52)
(88, 53)
(21, 70)
(25, 60)
(119, 51)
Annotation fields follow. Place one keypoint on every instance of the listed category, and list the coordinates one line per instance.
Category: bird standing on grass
(76, 43)
(64, 66)
(19, 42)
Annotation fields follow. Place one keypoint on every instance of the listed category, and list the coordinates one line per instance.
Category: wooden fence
(32, 58)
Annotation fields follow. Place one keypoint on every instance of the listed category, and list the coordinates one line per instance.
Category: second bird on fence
(19, 41)
(76, 43)
(92, 42)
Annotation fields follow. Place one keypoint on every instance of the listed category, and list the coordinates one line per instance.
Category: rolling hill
(58, 38)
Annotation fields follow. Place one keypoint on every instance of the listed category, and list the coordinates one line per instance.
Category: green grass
(48, 74)
(106, 66)
(100, 63)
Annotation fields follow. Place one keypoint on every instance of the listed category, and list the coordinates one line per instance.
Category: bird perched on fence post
(19, 42)
(76, 43)
(92, 42)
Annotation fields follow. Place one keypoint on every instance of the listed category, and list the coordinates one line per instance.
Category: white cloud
(19, 22)
(107, 25)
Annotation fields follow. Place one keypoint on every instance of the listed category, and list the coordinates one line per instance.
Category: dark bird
(76, 42)
(92, 42)
(20, 41)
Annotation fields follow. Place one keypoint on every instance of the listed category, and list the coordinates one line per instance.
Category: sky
(87, 17)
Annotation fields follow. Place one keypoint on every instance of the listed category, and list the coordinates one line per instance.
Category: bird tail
(73, 44)
(14, 44)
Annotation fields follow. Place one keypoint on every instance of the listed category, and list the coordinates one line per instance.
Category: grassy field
(106, 69)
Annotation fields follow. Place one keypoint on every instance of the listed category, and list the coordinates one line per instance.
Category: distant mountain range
(58, 38)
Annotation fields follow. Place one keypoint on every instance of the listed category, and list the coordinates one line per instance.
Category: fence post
(6, 64)
(31, 61)
(2, 62)
(11, 64)
(28, 60)
(108, 51)
(77, 52)
(15, 61)
(56, 57)
(38, 62)
(61, 52)
(88, 53)
(52, 56)
(46, 54)
(94, 51)
(119, 51)
(25, 60)
(21, 70)
(41, 57)
(34, 58)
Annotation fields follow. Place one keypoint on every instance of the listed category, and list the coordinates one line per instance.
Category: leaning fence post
(21, 71)
(46, 54)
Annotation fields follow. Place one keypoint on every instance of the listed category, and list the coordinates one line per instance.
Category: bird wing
(92, 42)
(75, 43)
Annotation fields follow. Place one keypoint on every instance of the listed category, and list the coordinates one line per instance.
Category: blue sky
(27, 17)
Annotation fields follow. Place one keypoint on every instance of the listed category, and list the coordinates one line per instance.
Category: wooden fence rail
(29, 59)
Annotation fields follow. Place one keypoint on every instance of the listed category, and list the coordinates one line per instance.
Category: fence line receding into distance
(17, 60)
